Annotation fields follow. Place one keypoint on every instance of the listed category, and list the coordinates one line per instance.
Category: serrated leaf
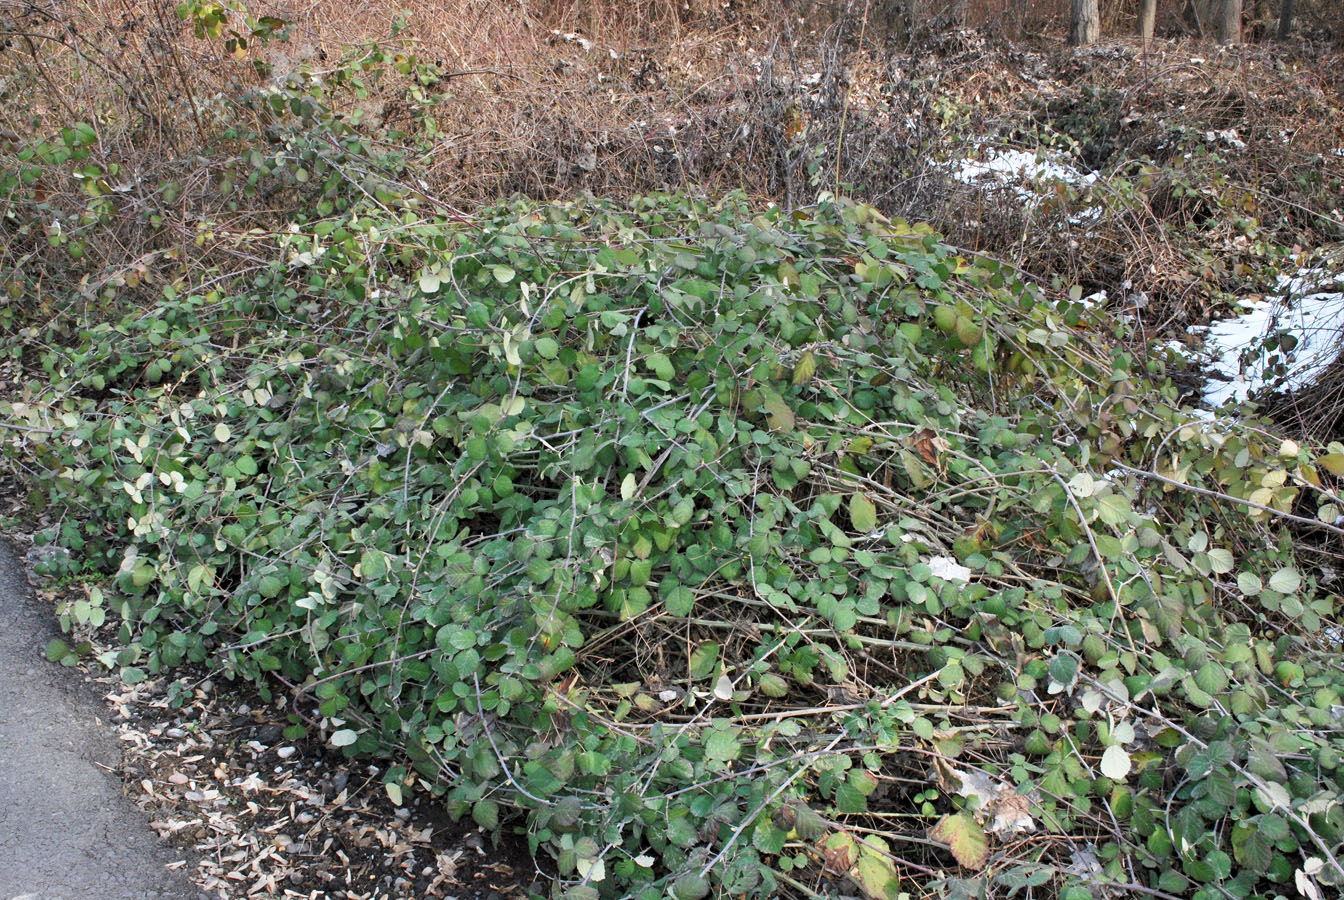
(680, 601)
(1332, 463)
(690, 887)
(1115, 762)
(807, 822)
(875, 873)
(703, 659)
(373, 564)
(1082, 485)
(56, 650)
(1211, 678)
(1256, 853)
(722, 745)
(1286, 581)
(1249, 584)
(862, 513)
(547, 348)
(779, 416)
(805, 369)
(1113, 509)
(773, 685)
(965, 838)
(849, 799)
(1221, 561)
(766, 838)
(503, 274)
(222, 433)
(486, 814)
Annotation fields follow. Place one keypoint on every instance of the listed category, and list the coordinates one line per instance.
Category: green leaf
(1211, 678)
(1221, 561)
(57, 650)
(766, 838)
(875, 872)
(503, 274)
(547, 348)
(486, 814)
(722, 745)
(1082, 485)
(690, 887)
(1249, 584)
(849, 799)
(779, 415)
(373, 564)
(680, 600)
(1113, 509)
(1256, 853)
(343, 738)
(773, 685)
(628, 486)
(703, 659)
(1286, 580)
(661, 366)
(862, 513)
(965, 838)
(1115, 763)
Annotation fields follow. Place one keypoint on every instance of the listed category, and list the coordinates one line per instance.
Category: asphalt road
(66, 830)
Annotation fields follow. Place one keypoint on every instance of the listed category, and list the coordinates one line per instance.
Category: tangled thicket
(720, 546)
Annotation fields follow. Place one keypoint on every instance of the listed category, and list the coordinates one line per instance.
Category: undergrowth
(733, 548)
(724, 546)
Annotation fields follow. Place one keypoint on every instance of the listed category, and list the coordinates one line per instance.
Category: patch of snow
(1003, 165)
(1092, 301)
(1228, 137)
(1312, 315)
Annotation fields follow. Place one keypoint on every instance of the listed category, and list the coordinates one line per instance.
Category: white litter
(948, 569)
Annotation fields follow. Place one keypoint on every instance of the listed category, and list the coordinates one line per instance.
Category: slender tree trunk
(1147, 18)
(1285, 20)
(1227, 22)
(1085, 23)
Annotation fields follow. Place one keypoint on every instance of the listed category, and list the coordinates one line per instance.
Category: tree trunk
(1227, 22)
(1085, 24)
(1285, 20)
(1147, 17)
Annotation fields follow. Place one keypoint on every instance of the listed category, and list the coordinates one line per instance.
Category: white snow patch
(1003, 165)
(1228, 137)
(1303, 309)
(1092, 301)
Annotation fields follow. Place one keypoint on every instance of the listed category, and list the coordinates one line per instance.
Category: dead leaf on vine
(839, 853)
(929, 445)
(965, 838)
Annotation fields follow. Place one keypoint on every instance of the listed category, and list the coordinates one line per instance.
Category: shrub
(720, 542)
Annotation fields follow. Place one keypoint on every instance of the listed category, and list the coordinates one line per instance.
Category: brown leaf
(839, 852)
(929, 445)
